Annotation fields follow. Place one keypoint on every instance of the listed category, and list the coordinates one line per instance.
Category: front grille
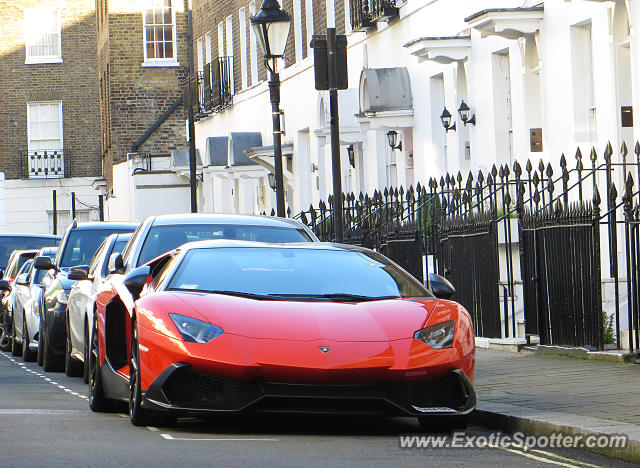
(446, 391)
(191, 387)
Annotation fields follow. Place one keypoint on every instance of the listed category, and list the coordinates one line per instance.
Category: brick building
(143, 55)
(49, 128)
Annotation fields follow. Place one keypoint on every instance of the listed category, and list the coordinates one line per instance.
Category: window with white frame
(242, 21)
(253, 46)
(200, 55)
(44, 126)
(42, 35)
(207, 48)
(159, 26)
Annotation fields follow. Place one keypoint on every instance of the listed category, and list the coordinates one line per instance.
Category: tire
(138, 415)
(40, 344)
(72, 367)
(444, 424)
(27, 354)
(85, 364)
(16, 349)
(97, 401)
(5, 340)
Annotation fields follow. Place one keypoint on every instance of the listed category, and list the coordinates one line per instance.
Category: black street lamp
(272, 25)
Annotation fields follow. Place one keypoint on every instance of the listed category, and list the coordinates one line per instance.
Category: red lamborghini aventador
(229, 326)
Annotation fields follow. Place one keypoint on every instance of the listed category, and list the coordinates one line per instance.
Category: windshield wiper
(339, 297)
(247, 295)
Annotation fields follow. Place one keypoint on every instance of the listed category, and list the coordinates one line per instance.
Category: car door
(81, 298)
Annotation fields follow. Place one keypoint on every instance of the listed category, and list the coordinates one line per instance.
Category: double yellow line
(545, 457)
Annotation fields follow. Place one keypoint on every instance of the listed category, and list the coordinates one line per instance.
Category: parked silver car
(27, 293)
(81, 302)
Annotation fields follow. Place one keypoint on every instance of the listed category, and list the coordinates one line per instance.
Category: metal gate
(468, 257)
(560, 261)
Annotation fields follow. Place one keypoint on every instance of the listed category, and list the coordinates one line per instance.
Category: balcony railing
(365, 13)
(212, 89)
(44, 164)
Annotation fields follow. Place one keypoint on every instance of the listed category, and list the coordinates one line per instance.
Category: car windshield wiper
(338, 297)
(229, 293)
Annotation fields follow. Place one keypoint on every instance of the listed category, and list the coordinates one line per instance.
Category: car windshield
(162, 239)
(10, 243)
(81, 246)
(294, 273)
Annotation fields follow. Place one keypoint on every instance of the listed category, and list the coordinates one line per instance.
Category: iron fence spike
(563, 161)
(593, 155)
(529, 167)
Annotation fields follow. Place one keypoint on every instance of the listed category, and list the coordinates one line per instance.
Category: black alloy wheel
(27, 354)
(97, 401)
(40, 343)
(16, 348)
(72, 367)
(85, 363)
(137, 414)
(5, 339)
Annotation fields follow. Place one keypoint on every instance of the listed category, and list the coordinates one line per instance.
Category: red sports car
(229, 326)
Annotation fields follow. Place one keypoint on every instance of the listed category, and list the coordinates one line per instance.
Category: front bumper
(182, 390)
(56, 332)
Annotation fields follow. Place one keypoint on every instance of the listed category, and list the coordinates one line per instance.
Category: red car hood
(378, 321)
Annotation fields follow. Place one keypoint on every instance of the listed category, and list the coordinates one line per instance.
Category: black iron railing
(212, 89)
(365, 13)
(44, 164)
(525, 241)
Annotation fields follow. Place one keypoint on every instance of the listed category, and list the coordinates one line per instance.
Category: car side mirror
(79, 273)
(23, 279)
(136, 279)
(116, 263)
(43, 263)
(440, 287)
(4, 285)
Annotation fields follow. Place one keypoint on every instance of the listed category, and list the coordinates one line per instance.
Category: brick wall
(136, 96)
(208, 13)
(74, 82)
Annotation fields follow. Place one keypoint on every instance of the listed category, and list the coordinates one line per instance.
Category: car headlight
(195, 331)
(437, 336)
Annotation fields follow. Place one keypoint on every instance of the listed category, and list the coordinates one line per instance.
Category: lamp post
(272, 25)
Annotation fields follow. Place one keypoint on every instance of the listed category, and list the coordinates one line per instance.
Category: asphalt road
(45, 421)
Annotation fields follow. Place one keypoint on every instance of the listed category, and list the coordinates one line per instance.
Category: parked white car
(81, 302)
(27, 294)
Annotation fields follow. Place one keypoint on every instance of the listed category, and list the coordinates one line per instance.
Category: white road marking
(170, 437)
(47, 379)
(152, 429)
(41, 412)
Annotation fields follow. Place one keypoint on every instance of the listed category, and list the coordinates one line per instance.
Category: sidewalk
(539, 394)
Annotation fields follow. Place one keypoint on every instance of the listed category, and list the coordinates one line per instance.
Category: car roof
(29, 236)
(95, 225)
(225, 243)
(217, 218)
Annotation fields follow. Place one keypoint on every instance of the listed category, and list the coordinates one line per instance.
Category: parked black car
(78, 245)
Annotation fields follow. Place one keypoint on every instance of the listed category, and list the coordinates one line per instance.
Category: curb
(582, 353)
(511, 418)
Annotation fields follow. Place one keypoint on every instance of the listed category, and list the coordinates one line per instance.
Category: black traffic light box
(321, 61)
